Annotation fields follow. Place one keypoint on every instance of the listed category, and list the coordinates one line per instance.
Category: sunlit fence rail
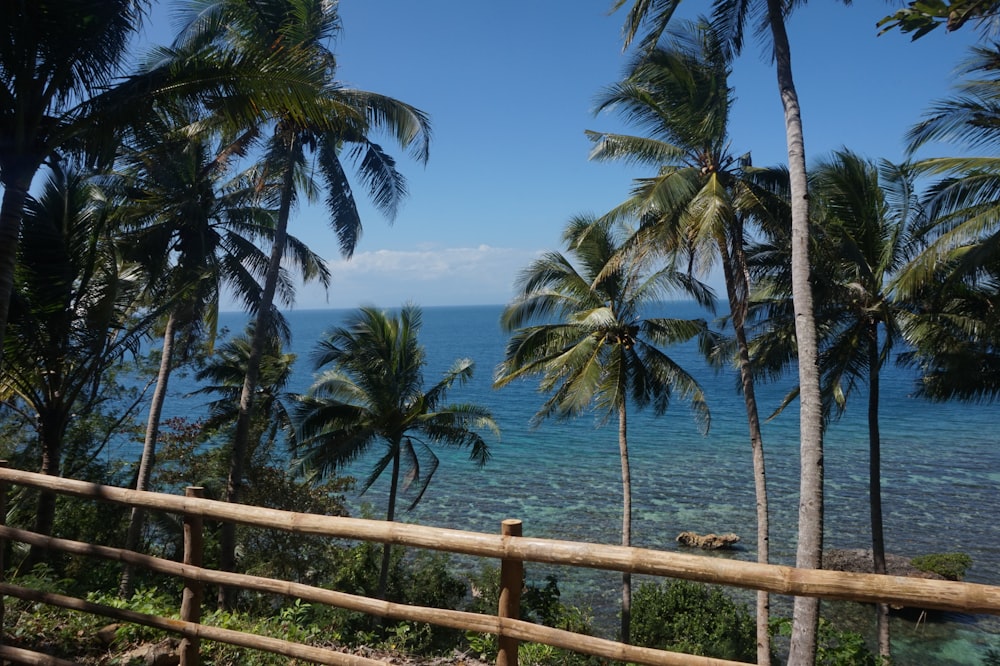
(509, 548)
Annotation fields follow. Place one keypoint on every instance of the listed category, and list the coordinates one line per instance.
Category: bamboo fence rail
(868, 588)
(509, 547)
(19, 656)
(192, 629)
(462, 620)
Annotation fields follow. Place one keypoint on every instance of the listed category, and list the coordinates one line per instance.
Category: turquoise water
(941, 474)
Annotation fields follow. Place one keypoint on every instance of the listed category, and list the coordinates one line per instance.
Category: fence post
(193, 590)
(3, 546)
(511, 581)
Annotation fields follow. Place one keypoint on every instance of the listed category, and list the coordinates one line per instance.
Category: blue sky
(510, 87)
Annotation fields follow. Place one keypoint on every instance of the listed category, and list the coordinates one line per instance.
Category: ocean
(941, 473)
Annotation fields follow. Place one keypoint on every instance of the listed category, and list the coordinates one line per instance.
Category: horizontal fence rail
(453, 619)
(192, 629)
(507, 547)
(869, 588)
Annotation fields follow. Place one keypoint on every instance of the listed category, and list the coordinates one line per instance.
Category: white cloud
(427, 276)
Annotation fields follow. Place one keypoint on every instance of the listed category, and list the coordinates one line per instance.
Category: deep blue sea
(941, 473)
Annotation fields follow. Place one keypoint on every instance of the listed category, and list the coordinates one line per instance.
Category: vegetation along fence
(509, 547)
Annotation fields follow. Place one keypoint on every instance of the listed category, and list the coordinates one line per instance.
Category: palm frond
(373, 392)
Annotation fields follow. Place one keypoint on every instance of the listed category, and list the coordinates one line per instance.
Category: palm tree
(54, 53)
(373, 394)
(921, 17)
(62, 88)
(955, 335)
(224, 372)
(195, 232)
(869, 232)
(588, 334)
(75, 313)
(338, 126)
(679, 93)
(872, 212)
(730, 19)
(955, 279)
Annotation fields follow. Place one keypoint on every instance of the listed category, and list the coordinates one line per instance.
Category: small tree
(693, 618)
(594, 342)
(75, 314)
(373, 394)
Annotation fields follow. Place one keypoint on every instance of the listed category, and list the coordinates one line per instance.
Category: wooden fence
(509, 547)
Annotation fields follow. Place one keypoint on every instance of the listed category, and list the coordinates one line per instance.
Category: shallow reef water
(941, 475)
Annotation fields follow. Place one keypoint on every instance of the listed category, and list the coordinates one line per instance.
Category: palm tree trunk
(262, 327)
(738, 293)
(149, 449)
(14, 195)
(50, 436)
(626, 521)
(809, 553)
(875, 487)
(383, 574)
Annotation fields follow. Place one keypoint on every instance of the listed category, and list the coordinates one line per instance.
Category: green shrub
(949, 565)
(690, 617)
(540, 604)
(188, 458)
(834, 647)
(417, 578)
(49, 629)
(296, 622)
(150, 601)
(290, 624)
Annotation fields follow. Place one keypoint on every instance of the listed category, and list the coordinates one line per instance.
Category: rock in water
(707, 541)
(859, 560)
